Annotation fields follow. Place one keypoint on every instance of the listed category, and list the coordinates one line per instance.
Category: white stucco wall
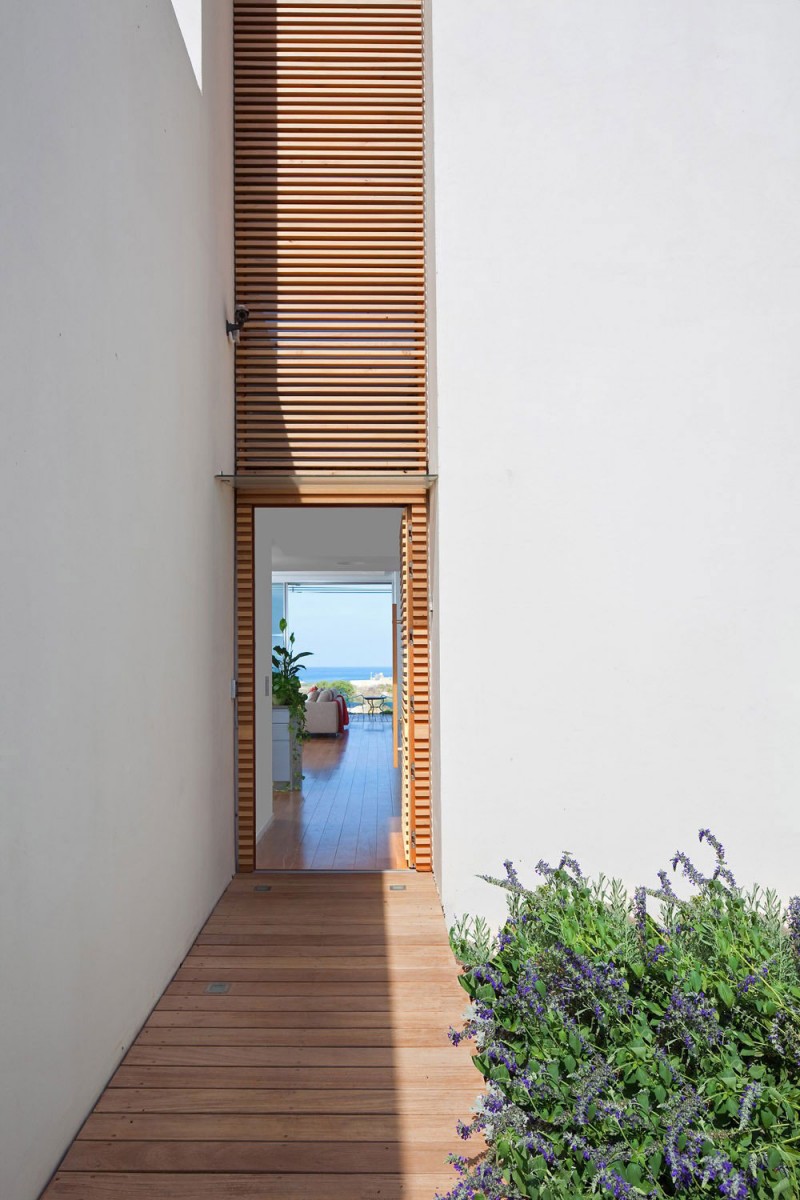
(116, 806)
(617, 256)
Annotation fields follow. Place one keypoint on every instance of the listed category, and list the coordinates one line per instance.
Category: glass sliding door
(278, 613)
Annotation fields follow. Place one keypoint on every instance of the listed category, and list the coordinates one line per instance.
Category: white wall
(262, 591)
(617, 307)
(115, 641)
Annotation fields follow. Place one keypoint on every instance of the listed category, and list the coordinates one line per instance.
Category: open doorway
(332, 578)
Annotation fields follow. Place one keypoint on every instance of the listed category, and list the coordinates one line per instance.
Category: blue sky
(343, 630)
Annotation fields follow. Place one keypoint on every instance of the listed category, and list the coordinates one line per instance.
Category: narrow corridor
(299, 1052)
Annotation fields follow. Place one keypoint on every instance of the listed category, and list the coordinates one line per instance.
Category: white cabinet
(281, 746)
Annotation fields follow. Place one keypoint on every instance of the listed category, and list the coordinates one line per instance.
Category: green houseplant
(286, 693)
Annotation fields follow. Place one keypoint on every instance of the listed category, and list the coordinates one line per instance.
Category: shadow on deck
(299, 1052)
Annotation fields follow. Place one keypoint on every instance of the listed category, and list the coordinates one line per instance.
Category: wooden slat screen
(328, 132)
(406, 730)
(416, 699)
(245, 686)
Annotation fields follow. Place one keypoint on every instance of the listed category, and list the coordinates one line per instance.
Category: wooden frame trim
(413, 501)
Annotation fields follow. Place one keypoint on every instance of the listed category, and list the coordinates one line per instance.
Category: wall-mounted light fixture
(234, 328)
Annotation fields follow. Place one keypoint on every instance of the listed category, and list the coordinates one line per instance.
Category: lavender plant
(634, 1047)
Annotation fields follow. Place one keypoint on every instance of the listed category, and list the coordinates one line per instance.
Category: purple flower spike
(666, 886)
(689, 869)
(571, 864)
(513, 877)
(793, 920)
(640, 910)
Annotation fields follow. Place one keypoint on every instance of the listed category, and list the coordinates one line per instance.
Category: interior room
(329, 799)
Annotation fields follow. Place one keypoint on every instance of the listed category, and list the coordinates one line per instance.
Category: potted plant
(289, 712)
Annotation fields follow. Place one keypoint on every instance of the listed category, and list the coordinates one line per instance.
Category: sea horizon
(315, 673)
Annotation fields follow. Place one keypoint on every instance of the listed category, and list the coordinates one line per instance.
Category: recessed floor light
(218, 989)
(397, 887)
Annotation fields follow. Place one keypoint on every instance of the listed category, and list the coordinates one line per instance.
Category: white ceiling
(350, 542)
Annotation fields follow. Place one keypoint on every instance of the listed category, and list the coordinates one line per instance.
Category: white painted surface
(115, 644)
(334, 539)
(263, 635)
(281, 758)
(189, 15)
(617, 305)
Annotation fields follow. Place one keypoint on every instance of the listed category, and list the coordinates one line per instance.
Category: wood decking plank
(419, 1099)
(159, 1186)
(335, 1062)
(424, 1034)
(419, 1128)
(343, 818)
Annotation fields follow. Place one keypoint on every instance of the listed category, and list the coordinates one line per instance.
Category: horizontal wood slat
(329, 159)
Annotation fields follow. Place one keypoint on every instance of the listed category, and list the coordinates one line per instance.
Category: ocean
(313, 674)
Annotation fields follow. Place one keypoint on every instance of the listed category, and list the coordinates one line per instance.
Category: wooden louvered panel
(245, 689)
(328, 123)
(407, 735)
(416, 792)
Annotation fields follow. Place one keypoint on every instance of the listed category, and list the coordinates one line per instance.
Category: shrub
(339, 685)
(633, 1052)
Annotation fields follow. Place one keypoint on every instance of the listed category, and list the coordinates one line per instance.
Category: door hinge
(234, 689)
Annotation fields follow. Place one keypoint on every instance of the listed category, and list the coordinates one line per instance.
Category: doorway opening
(331, 580)
(257, 504)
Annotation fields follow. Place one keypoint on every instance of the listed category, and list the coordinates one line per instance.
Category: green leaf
(519, 1180)
(633, 1174)
(655, 1162)
(725, 993)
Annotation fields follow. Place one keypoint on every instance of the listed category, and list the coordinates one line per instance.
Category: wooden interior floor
(347, 817)
(321, 1069)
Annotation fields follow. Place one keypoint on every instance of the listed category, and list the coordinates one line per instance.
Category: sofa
(326, 712)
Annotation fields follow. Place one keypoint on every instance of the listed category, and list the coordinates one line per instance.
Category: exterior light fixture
(234, 328)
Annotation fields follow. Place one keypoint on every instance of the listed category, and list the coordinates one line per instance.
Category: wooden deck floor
(347, 817)
(322, 1073)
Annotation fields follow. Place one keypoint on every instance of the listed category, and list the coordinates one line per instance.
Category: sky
(353, 630)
